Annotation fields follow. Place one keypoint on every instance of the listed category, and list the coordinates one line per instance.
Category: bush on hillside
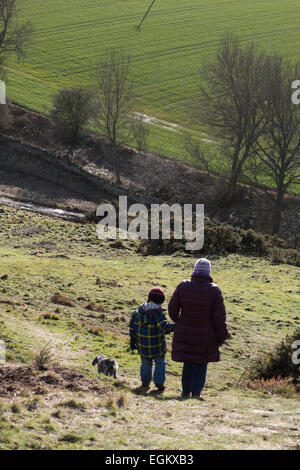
(278, 386)
(253, 243)
(71, 112)
(220, 239)
(44, 357)
(287, 256)
(277, 363)
(159, 247)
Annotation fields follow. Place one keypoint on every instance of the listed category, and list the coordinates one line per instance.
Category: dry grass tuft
(60, 299)
(43, 358)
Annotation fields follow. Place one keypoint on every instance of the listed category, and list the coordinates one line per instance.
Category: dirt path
(33, 207)
(172, 126)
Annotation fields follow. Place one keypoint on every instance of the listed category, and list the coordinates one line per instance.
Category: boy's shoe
(185, 395)
(142, 389)
(161, 388)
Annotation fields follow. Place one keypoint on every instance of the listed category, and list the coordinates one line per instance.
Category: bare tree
(14, 37)
(5, 117)
(195, 150)
(141, 133)
(72, 110)
(232, 102)
(279, 146)
(115, 99)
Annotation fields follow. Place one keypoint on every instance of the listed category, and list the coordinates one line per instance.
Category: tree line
(243, 100)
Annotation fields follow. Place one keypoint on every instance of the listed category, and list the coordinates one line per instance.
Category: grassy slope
(72, 36)
(262, 303)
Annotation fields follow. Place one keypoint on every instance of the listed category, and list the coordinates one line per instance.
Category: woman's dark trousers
(193, 378)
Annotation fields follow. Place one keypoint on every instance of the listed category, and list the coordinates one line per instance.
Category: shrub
(277, 363)
(140, 131)
(72, 110)
(43, 358)
(287, 256)
(157, 247)
(220, 239)
(278, 386)
(276, 257)
(252, 242)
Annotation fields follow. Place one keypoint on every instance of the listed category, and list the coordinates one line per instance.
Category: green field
(72, 36)
(68, 258)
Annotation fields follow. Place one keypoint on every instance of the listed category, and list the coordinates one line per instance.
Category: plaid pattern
(148, 326)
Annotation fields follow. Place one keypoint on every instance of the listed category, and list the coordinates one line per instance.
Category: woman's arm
(219, 317)
(174, 306)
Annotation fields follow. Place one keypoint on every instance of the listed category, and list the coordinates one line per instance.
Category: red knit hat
(157, 295)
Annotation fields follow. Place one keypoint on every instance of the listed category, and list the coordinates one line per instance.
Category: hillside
(37, 167)
(69, 406)
(71, 37)
(66, 296)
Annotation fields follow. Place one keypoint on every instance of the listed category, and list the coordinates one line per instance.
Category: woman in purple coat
(197, 307)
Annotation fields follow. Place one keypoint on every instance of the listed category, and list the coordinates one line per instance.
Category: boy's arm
(165, 326)
(131, 327)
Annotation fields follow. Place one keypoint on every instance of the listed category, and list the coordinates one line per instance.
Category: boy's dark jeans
(193, 378)
(159, 376)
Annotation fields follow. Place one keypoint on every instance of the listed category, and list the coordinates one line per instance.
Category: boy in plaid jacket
(148, 327)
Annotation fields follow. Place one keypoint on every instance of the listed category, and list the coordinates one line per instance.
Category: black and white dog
(106, 366)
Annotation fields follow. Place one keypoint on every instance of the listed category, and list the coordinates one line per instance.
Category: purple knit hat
(156, 294)
(202, 266)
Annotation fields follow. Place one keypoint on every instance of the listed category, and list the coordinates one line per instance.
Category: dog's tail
(94, 361)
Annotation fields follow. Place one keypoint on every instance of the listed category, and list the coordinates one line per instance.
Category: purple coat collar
(201, 277)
